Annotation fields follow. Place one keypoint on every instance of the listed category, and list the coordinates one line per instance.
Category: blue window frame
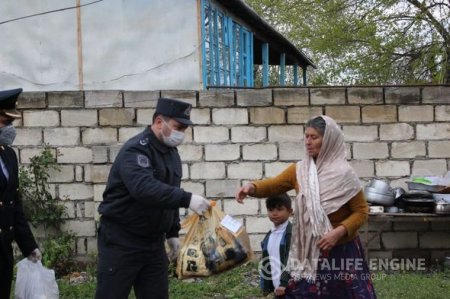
(227, 49)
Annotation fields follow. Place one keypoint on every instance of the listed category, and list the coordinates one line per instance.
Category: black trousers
(6, 275)
(125, 262)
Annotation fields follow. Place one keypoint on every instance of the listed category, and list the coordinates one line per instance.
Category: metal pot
(442, 207)
(384, 199)
(419, 205)
(380, 186)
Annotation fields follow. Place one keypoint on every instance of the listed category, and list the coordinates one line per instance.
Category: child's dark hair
(279, 200)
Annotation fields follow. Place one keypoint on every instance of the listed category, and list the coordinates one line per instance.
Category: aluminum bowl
(442, 207)
(384, 199)
(381, 186)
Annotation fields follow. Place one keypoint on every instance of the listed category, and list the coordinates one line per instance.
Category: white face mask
(174, 139)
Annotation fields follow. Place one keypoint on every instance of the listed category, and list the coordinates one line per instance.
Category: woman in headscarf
(326, 258)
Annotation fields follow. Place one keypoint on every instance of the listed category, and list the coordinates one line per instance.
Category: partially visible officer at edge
(13, 225)
(140, 208)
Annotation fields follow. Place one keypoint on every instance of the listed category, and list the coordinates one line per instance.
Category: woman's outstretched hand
(331, 238)
(247, 189)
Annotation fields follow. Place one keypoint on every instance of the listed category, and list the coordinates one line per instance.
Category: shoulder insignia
(143, 141)
(143, 161)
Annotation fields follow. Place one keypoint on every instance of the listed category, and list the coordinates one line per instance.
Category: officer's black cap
(8, 100)
(178, 110)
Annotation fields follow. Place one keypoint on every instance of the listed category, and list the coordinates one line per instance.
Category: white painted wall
(127, 44)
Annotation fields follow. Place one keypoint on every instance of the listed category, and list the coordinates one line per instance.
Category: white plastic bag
(34, 281)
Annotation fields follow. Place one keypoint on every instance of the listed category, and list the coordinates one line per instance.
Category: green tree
(367, 41)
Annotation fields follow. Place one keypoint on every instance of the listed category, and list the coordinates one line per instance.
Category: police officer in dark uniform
(13, 225)
(140, 208)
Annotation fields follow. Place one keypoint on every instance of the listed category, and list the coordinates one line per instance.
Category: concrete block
(216, 98)
(100, 173)
(248, 134)
(141, 99)
(379, 226)
(233, 208)
(370, 150)
(79, 173)
(327, 96)
(74, 155)
(27, 153)
(144, 116)
(402, 95)
(411, 255)
(255, 241)
(408, 149)
(98, 192)
(201, 116)
(291, 96)
(85, 228)
(185, 171)
(254, 97)
(86, 246)
(31, 100)
(208, 170)
(103, 99)
(436, 94)
(70, 209)
(365, 95)
(188, 96)
(79, 118)
(76, 191)
(99, 154)
(439, 149)
(300, 115)
(113, 151)
(292, 133)
(222, 152)
(35, 118)
(360, 133)
(190, 152)
(438, 226)
(221, 188)
(65, 174)
(116, 117)
(411, 226)
(392, 168)
(211, 134)
(260, 152)
(363, 168)
(399, 240)
(275, 168)
(344, 114)
(65, 99)
(230, 116)
(99, 136)
(433, 131)
(379, 114)
(400, 131)
(269, 115)
(257, 224)
(422, 113)
(129, 132)
(433, 167)
(62, 136)
(442, 113)
(245, 170)
(194, 188)
(436, 240)
(291, 151)
(27, 136)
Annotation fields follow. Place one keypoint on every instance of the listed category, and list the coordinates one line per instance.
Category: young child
(275, 246)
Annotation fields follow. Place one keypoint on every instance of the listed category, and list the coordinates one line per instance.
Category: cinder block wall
(240, 135)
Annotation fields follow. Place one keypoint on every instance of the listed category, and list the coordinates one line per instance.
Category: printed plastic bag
(209, 247)
(34, 281)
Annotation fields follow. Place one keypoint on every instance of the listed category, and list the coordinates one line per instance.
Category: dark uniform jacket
(13, 225)
(142, 195)
(285, 244)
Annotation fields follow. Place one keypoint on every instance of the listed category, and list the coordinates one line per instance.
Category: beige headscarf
(325, 186)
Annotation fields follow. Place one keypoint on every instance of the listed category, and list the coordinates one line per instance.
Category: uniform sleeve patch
(143, 161)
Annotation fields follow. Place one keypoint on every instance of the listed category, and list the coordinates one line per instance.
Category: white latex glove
(174, 246)
(198, 204)
(35, 255)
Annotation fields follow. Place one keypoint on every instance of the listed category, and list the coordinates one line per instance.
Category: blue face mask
(7, 135)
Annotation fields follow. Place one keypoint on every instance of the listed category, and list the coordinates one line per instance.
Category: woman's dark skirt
(342, 273)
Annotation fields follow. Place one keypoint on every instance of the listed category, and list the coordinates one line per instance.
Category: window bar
(295, 74)
(203, 41)
(282, 68)
(265, 64)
